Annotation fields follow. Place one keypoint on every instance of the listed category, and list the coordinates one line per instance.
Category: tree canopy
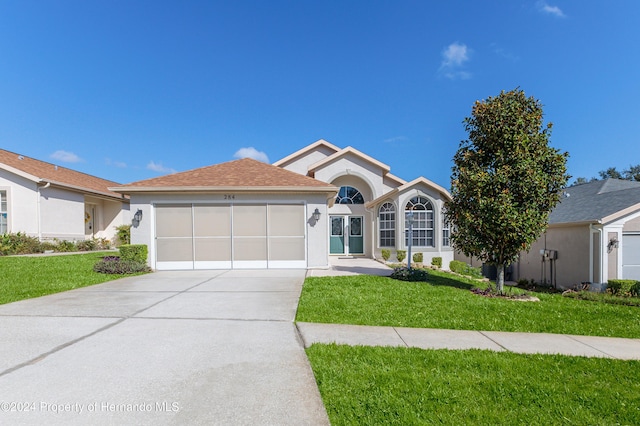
(505, 181)
(632, 173)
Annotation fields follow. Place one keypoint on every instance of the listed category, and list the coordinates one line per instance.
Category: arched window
(387, 216)
(423, 222)
(349, 195)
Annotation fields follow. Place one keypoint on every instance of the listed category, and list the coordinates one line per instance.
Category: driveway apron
(189, 347)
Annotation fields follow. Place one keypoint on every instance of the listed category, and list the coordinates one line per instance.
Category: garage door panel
(284, 248)
(250, 248)
(213, 249)
(250, 221)
(631, 256)
(286, 220)
(174, 221)
(212, 221)
(174, 250)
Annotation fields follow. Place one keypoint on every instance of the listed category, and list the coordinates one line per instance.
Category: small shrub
(19, 243)
(635, 289)
(48, 246)
(386, 254)
(437, 262)
(86, 245)
(123, 235)
(406, 274)
(65, 246)
(620, 287)
(417, 257)
(463, 269)
(401, 255)
(115, 265)
(457, 266)
(134, 252)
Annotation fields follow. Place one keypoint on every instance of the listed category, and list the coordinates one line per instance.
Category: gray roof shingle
(593, 201)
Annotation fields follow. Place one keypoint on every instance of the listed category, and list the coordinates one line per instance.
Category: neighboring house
(593, 236)
(47, 201)
(317, 202)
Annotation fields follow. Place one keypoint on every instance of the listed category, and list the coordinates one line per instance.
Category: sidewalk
(427, 338)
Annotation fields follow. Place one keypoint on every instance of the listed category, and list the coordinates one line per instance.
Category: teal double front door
(347, 235)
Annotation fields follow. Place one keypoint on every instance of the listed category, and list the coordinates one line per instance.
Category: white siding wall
(22, 205)
(62, 214)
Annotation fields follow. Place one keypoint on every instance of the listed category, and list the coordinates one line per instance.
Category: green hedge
(623, 287)
(134, 252)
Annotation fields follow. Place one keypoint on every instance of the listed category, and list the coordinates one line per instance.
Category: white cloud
(455, 55)
(251, 152)
(454, 58)
(66, 157)
(158, 167)
(551, 10)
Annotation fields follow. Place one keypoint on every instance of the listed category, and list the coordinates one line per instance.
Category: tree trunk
(500, 278)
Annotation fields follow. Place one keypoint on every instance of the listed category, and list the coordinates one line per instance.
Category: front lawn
(448, 303)
(27, 277)
(384, 385)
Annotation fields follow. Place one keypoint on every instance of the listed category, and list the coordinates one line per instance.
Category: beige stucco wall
(572, 266)
(355, 166)
(632, 225)
(317, 232)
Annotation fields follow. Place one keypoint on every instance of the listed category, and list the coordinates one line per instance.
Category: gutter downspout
(48, 184)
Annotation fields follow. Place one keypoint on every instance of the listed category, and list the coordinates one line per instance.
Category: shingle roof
(594, 201)
(245, 174)
(41, 171)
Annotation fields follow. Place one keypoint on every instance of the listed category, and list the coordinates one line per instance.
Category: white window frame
(424, 222)
(387, 223)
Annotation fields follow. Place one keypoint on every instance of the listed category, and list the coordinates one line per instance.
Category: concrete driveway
(192, 347)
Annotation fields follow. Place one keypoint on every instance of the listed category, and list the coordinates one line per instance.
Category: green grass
(408, 386)
(27, 277)
(447, 303)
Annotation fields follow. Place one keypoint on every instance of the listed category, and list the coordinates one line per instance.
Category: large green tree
(505, 181)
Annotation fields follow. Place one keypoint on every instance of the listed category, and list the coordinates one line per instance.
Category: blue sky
(128, 90)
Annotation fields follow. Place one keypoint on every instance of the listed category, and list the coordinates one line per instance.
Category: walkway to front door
(350, 226)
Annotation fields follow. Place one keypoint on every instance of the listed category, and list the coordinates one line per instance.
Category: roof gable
(410, 185)
(43, 172)
(344, 152)
(307, 149)
(244, 174)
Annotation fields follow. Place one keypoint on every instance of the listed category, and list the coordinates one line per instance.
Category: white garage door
(228, 236)
(631, 256)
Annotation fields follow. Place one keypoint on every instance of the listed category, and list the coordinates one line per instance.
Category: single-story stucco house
(593, 236)
(47, 201)
(318, 202)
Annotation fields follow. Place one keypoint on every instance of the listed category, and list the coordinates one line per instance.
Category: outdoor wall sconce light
(316, 214)
(613, 243)
(138, 216)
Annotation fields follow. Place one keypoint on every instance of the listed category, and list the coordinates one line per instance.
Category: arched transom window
(349, 195)
(387, 216)
(423, 222)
